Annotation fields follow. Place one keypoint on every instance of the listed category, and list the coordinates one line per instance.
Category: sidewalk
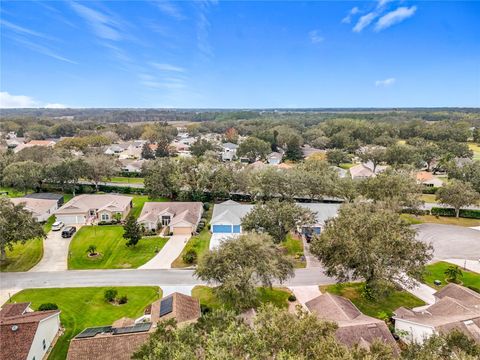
(421, 291)
(472, 265)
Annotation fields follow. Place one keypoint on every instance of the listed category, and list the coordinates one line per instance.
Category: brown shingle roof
(188, 211)
(465, 295)
(185, 308)
(123, 322)
(109, 347)
(9, 310)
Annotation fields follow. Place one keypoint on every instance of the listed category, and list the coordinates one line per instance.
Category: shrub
(123, 299)
(464, 213)
(292, 298)
(204, 309)
(190, 256)
(110, 295)
(429, 190)
(48, 306)
(206, 206)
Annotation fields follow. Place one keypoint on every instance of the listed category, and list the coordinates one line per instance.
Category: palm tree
(453, 272)
(92, 250)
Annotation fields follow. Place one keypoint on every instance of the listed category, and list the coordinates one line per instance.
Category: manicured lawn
(114, 254)
(440, 220)
(429, 198)
(294, 248)
(86, 307)
(11, 192)
(139, 201)
(200, 243)
(437, 272)
(275, 296)
(48, 224)
(23, 256)
(387, 305)
(126, 180)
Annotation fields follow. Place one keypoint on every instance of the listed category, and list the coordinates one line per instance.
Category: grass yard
(114, 254)
(23, 256)
(436, 271)
(139, 201)
(440, 220)
(294, 248)
(48, 224)
(429, 198)
(387, 305)
(346, 166)
(11, 192)
(275, 296)
(476, 150)
(86, 307)
(126, 180)
(200, 243)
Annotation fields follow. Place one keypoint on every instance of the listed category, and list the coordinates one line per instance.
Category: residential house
(44, 143)
(365, 170)
(354, 327)
(227, 219)
(125, 336)
(341, 172)
(26, 334)
(47, 196)
(275, 158)
(132, 166)
(116, 149)
(133, 150)
(180, 148)
(13, 142)
(455, 308)
(41, 209)
(85, 208)
(229, 151)
(428, 179)
(180, 217)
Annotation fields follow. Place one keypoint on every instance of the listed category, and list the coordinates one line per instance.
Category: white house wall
(412, 332)
(47, 330)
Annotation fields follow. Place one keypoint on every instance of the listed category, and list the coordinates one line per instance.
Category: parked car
(68, 231)
(57, 225)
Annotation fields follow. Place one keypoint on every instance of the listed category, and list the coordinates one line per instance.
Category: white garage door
(71, 219)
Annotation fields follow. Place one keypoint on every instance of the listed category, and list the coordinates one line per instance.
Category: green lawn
(126, 180)
(294, 248)
(346, 166)
(139, 201)
(23, 256)
(429, 198)
(11, 192)
(114, 254)
(86, 307)
(275, 296)
(375, 308)
(48, 224)
(200, 243)
(437, 272)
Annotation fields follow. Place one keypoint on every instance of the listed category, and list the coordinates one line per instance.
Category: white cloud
(315, 37)
(364, 21)
(22, 30)
(385, 83)
(168, 67)
(395, 17)
(103, 26)
(35, 46)
(8, 100)
(348, 19)
(169, 9)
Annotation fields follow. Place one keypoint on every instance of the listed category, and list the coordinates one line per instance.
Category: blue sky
(248, 54)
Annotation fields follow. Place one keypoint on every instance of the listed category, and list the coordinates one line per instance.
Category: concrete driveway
(172, 249)
(55, 252)
(451, 242)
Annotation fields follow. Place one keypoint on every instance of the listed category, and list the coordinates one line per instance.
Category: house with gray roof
(229, 151)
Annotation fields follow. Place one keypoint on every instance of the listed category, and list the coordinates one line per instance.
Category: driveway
(55, 253)
(172, 249)
(451, 242)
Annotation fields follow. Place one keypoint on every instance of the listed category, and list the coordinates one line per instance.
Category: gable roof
(83, 203)
(230, 212)
(465, 295)
(15, 309)
(35, 206)
(230, 146)
(182, 211)
(184, 309)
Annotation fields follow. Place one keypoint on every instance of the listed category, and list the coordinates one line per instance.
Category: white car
(57, 225)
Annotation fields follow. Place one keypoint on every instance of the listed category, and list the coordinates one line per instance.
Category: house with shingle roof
(125, 336)
(181, 217)
(354, 327)
(26, 334)
(96, 207)
(456, 307)
(428, 179)
(41, 209)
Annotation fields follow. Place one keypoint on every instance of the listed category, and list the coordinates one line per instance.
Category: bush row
(464, 213)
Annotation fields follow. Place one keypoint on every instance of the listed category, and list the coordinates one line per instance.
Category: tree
(23, 175)
(403, 154)
(457, 194)
(452, 273)
(163, 147)
(231, 135)
(428, 153)
(160, 178)
(469, 173)
(201, 146)
(253, 148)
(16, 225)
(110, 295)
(375, 154)
(47, 306)
(132, 231)
(370, 241)
(67, 172)
(336, 157)
(92, 249)
(277, 218)
(100, 168)
(147, 152)
(294, 150)
(239, 264)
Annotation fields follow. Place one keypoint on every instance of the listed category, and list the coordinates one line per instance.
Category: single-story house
(125, 336)
(365, 170)
(455, 308)
(26, 334)
(116, 149)
(354, 327)
(47, 196)
(274, 158)
(132, 166)
(45, 143)
(85, 208)
(229, 151)
(181, 217)
(428, 179)
(41, 209)
(227, 219)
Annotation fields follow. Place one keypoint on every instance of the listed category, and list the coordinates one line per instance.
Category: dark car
(68, 231)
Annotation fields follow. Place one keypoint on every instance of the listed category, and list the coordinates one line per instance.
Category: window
(105, 217)
(165, 219)
(44, 344)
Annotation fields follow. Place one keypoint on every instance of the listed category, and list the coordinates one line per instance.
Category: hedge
(430, 190)
(464, 213)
